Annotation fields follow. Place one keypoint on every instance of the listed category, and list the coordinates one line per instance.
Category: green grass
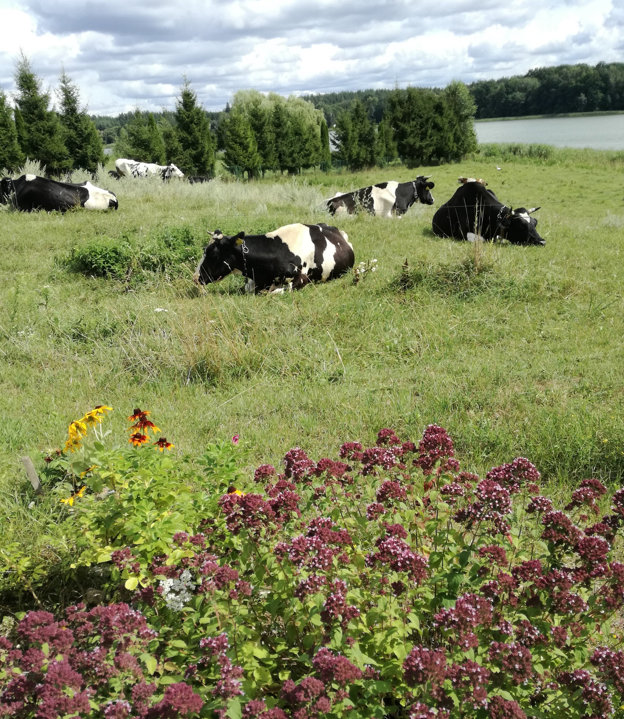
(515, 351)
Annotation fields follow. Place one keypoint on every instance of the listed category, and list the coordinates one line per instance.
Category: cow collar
(501, 218)
(245, 251)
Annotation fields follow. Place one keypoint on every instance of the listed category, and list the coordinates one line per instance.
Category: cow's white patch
(384, 199)
(99, 199)
(30, 178)
(523, 216)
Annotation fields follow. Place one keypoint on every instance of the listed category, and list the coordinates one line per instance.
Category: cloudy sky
(129, 54)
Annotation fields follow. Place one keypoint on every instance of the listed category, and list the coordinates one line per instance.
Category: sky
(125, 55)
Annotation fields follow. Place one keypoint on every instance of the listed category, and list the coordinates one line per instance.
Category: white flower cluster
(363, 268)
(177, 592)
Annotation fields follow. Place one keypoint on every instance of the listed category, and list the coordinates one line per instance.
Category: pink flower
(235, 439)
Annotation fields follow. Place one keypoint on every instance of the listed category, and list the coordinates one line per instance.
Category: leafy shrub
(385, 583)
(108, 257)
(173, 251)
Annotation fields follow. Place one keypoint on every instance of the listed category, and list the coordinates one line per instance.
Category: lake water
(599, 132)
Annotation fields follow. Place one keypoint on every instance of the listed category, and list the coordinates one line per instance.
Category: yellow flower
(79, 493)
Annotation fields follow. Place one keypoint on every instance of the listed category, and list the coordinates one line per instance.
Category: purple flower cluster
(425, 665)
(335, 668)
(435, 447)
(470, 612)
(229, 683)
(586, 495)
(91, 658)
(560, 530)
(250, 511)
(515, 475)
(317, 548)
(470, 680)
(394, 552)
(513, 659)
(336, 607)
(306, 700)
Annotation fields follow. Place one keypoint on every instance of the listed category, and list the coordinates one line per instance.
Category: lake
(599, 132)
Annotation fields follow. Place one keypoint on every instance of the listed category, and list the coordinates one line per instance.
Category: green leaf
(131, 583)
(150, 662)
(234, 709)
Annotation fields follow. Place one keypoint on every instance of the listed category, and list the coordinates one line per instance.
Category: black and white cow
(31, 192)
(384, 198)
(133, 168)
(474, 212)
(294, 254)
(198, 179)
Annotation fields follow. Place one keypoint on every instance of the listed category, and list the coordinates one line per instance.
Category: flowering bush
(387, 583)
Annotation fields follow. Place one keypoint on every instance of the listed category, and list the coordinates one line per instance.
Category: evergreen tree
(386, 144)
(40, 132)
(241, 150)
(173, 148)
(141, 139)
(355, 137)
(282, 132)
(259, 113)
(81, 137)
(193, 131)
(11, 156)
(462, 109)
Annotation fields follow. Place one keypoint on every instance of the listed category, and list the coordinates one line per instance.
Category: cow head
(7, 190)
(172, 171)
(519, 227)
(221, 256)
(422, 189)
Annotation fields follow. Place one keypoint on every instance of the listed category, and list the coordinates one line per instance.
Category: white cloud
(127, 55)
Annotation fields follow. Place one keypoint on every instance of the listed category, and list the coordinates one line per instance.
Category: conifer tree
(241, 150)
(81, 137)
(11, 156)
(197, 145)
(40, 133)
(355, 136)
(282, 132)
(141, 139)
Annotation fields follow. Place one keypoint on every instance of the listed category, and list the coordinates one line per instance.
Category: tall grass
(515, 351)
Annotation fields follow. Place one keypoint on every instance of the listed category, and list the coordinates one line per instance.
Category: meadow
(515, 351)
(314, 538)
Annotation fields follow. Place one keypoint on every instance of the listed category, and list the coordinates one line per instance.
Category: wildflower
(96, 415)
(177, 592)
(162, 444)
(500, 708)
(137, 439)
(141, 423)
(335, 667)
(179, 700)
(425, 665)
(515, 474)
(434, 446)
(235, 439)
(70, 500)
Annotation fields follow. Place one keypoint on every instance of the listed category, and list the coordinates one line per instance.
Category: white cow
(133, 168)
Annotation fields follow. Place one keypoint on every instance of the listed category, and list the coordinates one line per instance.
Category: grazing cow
(30, 192)
(133, 168)
(384, 198)
(474, 212)
(293, 254)
(197, 179)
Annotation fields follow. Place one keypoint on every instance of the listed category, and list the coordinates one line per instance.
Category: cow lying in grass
(293, 255)
(31, 192)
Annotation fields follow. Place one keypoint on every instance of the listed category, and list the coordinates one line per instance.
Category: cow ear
(430, 185)
(239, 238)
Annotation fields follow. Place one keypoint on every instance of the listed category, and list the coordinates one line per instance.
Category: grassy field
(515, 351)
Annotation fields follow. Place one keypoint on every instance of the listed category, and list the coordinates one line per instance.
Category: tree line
(261, 133)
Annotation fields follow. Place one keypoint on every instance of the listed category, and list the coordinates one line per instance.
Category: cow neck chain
(499, 220)
(245, 251)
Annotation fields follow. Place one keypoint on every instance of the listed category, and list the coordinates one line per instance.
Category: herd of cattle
(297, 253)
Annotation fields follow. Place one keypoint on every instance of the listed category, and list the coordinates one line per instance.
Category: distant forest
(541, 91)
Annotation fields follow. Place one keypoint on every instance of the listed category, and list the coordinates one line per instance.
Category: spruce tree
(282, 132)
(241, 150)
(81, 137)
(11, 156)
(197, 145)
(40, 133)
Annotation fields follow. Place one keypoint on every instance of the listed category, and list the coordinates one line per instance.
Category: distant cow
(474, 212)
(198, 179)
(384, 198)
(293, 254)
(30, 192)
(133, 168)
